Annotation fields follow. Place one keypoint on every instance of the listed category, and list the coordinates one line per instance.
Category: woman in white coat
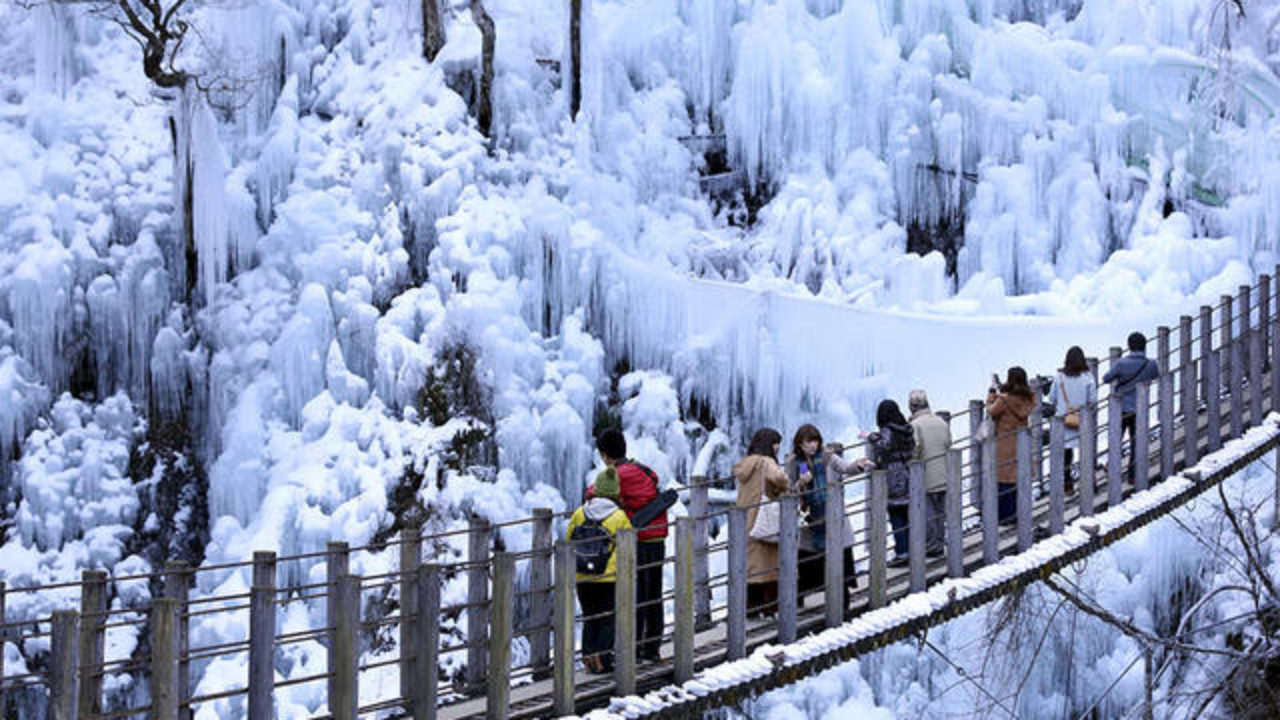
(1073, 388)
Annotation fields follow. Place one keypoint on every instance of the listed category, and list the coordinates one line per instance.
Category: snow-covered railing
(508, 643)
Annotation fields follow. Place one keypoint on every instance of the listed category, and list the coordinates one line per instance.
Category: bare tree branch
(1132, 630)
(1259, 571)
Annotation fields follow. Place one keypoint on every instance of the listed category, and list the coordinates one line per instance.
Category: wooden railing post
(1142, 437)
(541, 597)
(346, 673)
(262, 636)
(1206, 349)
(1088, 457)
(916, 540)
(164, 658)
(1187, 383)
(701, 564)
(64, 658)
(428, 643)
(1214, 406)
(990, 505)
(1273, 343)
(1057, 474)
(1115, 450)
(1264, 316)
(337, 566)
(833, 557)
(736, 632)
(501, 629)
(562, 694)
(177, 585)
(1226, 325)
(1245, 311)
(1165, 388)
(1026, 526)
(788, 564)
(624, 617)
(410, 561)
(955, 515)
(477, 603)
(686, 590)
(977, 411)
(4, 637)
(1036, 424)
(1236, 353)
(1275, 525)
(877, 538)
(1255, 376)
(93, 618)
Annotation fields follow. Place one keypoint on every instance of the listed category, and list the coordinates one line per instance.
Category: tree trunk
(433, 34)
(575, 58)
(484, 103)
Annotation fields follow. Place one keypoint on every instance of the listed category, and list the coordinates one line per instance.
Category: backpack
(592, 546)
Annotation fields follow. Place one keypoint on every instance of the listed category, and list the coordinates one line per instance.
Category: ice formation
(982, 180)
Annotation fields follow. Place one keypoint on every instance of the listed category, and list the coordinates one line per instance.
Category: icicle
(40, 295)
(169, 386)
(276, 163)
(298, 355)
(108, 335)
(55, 41)
(22, 398)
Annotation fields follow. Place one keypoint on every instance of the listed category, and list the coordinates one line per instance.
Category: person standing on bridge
(809, 468)
(933, 441)
(638, 486)
(1073, 389)
(760, 479)
(1124, 376)
(592, 529)
(1009, 406)
(890, 449)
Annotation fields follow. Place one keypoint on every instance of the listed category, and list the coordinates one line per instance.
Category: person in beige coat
(760, 477)
(933, 440)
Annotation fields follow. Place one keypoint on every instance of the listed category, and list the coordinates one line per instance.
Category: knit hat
(607, 485)
(917, 400)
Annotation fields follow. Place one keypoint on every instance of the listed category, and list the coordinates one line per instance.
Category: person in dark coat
(1009, 406)
(638, 486)
(891, 448)
(1124, 376)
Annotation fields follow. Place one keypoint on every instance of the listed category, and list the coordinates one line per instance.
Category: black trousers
(762, 599)
(1129, 428)
(597, 598)
(649, 615)
(1007, 503)
(900, 522)
(813, 572)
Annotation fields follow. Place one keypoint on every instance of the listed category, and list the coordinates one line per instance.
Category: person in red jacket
(639, 487)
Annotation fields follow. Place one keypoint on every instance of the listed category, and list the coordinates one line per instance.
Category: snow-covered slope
(381, 300)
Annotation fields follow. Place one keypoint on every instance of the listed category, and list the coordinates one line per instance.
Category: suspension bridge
(508, 649)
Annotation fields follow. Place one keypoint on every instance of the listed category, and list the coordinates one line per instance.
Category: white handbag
(767, 524)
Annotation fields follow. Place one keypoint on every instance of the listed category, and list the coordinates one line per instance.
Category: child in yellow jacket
(591, 530)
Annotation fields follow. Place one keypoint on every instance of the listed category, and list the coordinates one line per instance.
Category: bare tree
(433, 31)
(488, 35)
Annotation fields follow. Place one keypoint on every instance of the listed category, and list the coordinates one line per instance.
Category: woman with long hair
(890, 448)
(1009, 406)
(760, 478)
(810, 467)
(1073, 388)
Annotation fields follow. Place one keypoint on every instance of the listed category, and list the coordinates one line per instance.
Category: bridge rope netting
(508, 645)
